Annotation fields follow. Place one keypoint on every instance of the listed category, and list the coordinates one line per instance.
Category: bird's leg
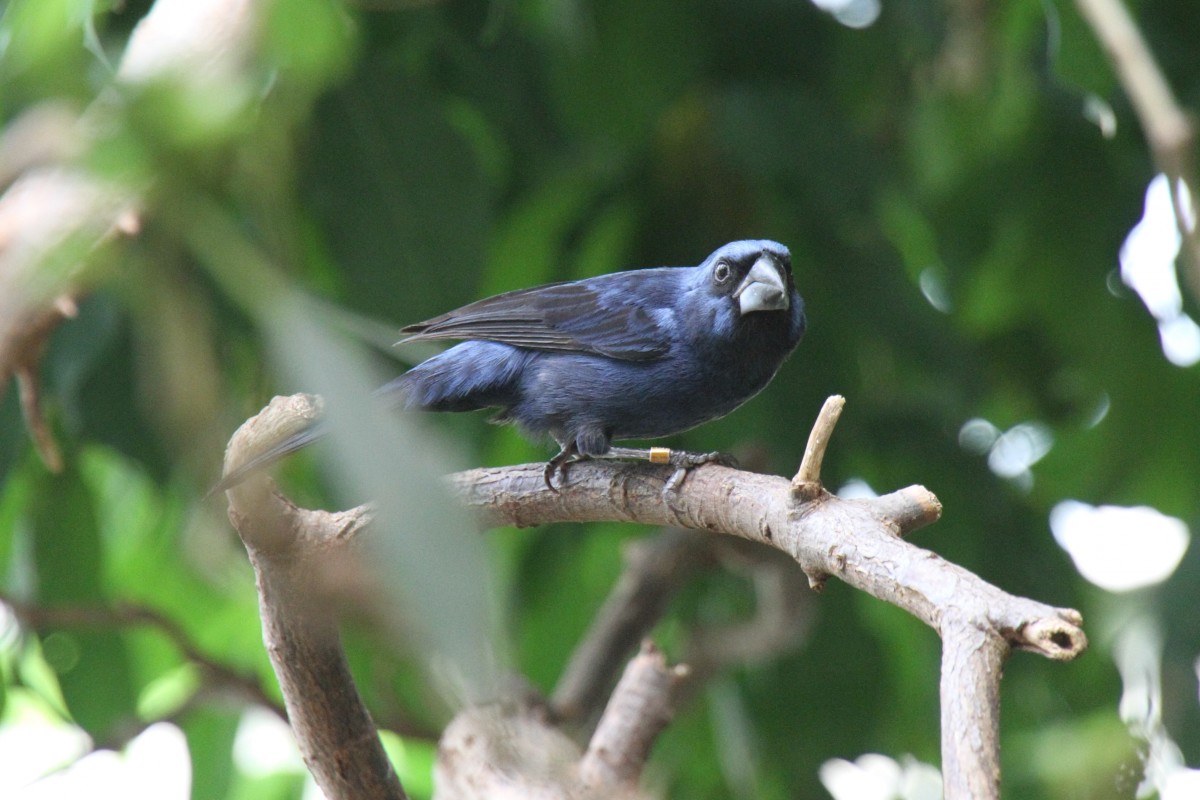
(680, 459)
(567, 455)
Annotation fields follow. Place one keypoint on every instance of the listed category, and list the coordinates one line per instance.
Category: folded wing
(612, 316)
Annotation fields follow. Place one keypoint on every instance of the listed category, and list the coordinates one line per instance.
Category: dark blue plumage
(630, 355)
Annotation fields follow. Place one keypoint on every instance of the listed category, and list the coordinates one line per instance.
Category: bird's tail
(467, 377)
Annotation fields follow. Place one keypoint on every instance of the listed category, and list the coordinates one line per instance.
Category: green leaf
(44, 46)
(92, 665)
(414, 762)
(310, 40)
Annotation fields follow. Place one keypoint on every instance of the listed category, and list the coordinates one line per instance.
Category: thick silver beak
(764, 287)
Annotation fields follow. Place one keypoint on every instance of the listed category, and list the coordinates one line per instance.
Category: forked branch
(858, 541)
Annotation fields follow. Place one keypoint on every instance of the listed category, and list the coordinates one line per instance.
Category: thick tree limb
(858, 541)
(290, 549)
(333, 728)
(855, 540)
(972, 657)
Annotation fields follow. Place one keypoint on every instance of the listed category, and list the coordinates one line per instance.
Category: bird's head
(756, 275)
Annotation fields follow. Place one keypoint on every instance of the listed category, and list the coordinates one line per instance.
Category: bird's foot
(555, 465)
(681, 460)
(559, 464)
(685, 462)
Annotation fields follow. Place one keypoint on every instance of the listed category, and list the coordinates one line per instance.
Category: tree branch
(655, 570)
(54, 213)
(22, 346)
(639, 709)
(782, 616)
(855, 540)
(48, 215)
(290, 548)
(858, 541)
(512, 750)
(807, 483)
(972, 658)
(1170, 131)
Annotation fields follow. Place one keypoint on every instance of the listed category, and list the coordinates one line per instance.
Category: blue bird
(630, 355)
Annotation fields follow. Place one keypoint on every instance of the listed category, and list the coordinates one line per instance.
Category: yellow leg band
(660, 455)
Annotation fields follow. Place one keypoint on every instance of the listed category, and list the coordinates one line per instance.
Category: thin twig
(807, 483)
(130, 615)
(655, 570)
(783, 615)
(1170, 131)
(22, 346)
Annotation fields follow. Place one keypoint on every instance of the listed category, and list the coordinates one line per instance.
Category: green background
(390, 161)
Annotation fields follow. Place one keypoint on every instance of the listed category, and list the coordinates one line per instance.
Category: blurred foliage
(955, 221)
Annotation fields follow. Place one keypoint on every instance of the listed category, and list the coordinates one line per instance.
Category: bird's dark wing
(611, 316)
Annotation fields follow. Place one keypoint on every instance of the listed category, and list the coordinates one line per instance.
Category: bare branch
(506, 751)
(1170, 131)
(855, 540)
(289, 548)
(972, 658)
(640, 707)
(54, 214)
(807, 483)
(1167, 127)
(47, 216)
(20, 357)
(655, 570)
(218, 674)
(782, 616)
(858, 541)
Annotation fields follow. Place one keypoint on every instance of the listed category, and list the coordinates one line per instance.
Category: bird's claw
(685, 462)
(559, 464)
(556, 465)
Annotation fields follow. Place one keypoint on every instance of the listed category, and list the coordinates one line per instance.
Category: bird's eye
(721, 273)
